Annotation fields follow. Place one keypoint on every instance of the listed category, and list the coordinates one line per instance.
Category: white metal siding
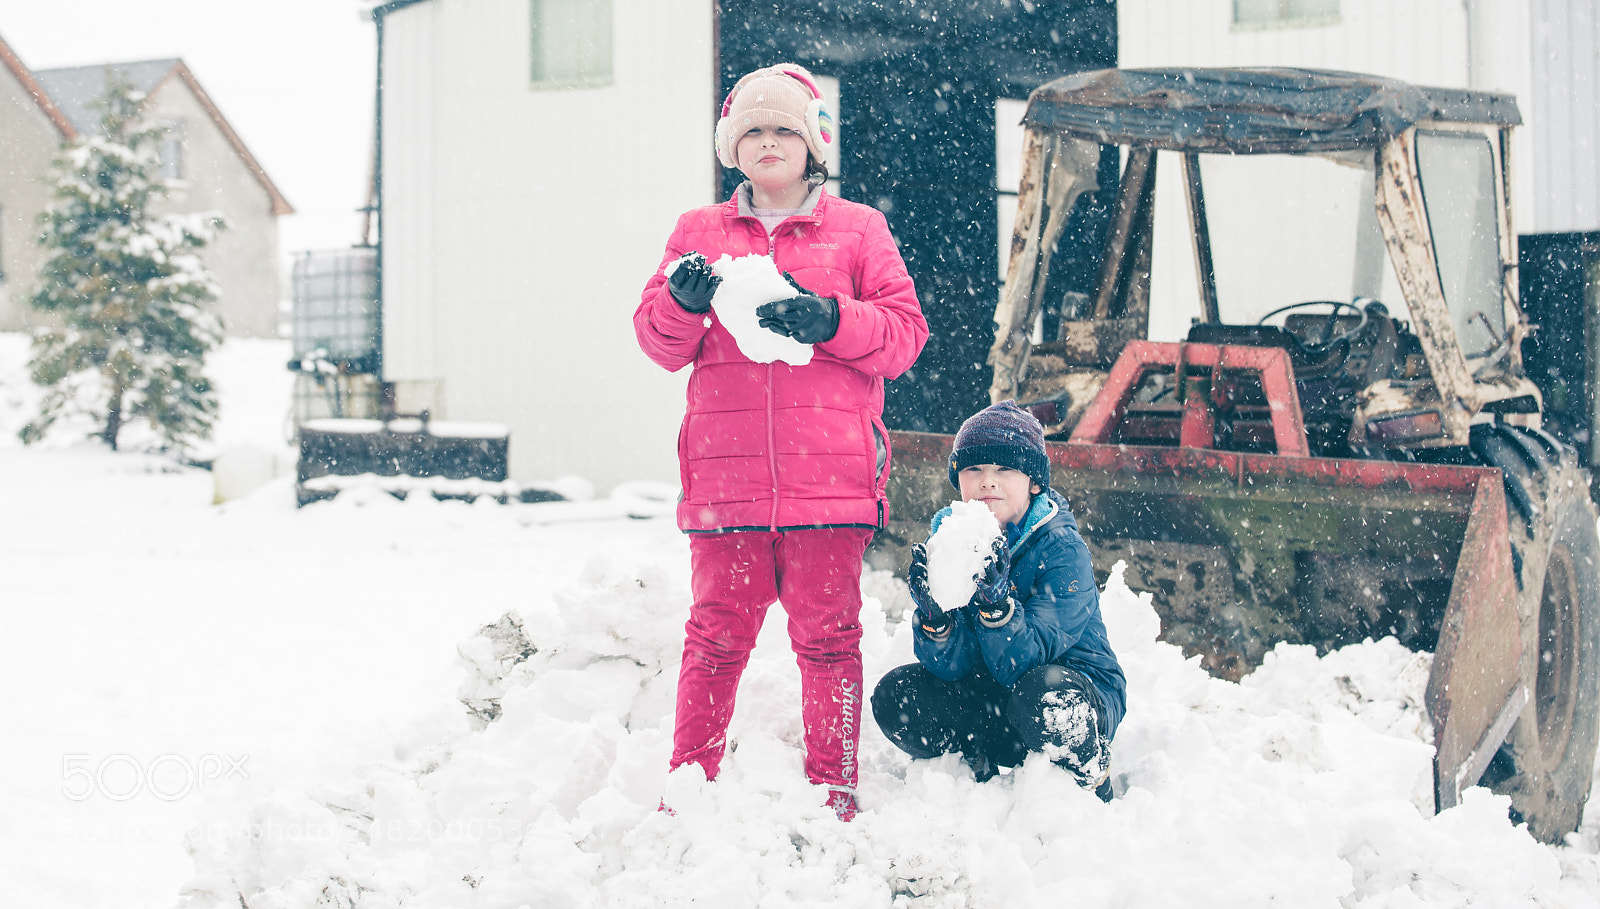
(1565, 99)
(408, 193)
(1423, 41)
(521, 225)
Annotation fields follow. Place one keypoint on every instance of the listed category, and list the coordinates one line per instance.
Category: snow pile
(451, 704)
(1308, 785)
(956, 553)
(749, 282)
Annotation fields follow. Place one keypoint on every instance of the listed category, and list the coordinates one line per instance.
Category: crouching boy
(1026, 665)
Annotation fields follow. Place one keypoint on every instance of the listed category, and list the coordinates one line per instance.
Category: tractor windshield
(1282, 229)
(1458, 187)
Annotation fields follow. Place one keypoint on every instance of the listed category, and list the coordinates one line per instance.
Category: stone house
(205, 163)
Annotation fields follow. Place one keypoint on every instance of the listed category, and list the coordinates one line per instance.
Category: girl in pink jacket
(783, 467)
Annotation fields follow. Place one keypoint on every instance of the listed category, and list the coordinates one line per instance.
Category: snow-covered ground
(252, 705)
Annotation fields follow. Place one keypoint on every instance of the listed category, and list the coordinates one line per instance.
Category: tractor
(1286, 389)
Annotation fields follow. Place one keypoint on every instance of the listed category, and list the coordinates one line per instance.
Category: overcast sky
(293, 77)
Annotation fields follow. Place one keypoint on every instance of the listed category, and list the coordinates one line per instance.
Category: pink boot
(843, 803)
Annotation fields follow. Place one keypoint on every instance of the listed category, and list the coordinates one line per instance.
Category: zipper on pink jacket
(772, 452)
(772, 433)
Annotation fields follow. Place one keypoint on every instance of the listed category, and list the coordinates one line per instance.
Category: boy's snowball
(748, 282)
(956, 552)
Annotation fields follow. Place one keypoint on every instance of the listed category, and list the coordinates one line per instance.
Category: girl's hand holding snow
(692, 283)
(806, 317)
(933, 620)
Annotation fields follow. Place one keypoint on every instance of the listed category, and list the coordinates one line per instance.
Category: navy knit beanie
(1003, 434)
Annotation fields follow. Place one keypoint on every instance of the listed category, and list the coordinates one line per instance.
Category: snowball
(956, 553)
(748, 282)
(681, 260)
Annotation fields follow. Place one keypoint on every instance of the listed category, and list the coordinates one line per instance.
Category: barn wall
(1565, 106)
(520, 225)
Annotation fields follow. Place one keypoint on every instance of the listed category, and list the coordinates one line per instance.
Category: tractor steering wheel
(1339, 306)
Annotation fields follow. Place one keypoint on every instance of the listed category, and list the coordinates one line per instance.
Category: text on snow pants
(816, 574)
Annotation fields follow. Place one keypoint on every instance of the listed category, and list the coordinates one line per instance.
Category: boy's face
(1007, 492)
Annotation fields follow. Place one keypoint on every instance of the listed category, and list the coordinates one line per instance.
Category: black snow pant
(1051, 709)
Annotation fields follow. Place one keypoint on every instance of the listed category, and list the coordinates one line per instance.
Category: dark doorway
(919, 85)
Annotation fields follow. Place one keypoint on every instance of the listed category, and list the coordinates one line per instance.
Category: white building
(534, 155)
(515, 248)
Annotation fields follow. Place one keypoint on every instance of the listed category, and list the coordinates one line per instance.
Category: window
(172, 166)
(835, 161)
(570, 43)
(1008, 133)
(1284, 13)
(1075, 233)
(1282, 228)
(1458, 177)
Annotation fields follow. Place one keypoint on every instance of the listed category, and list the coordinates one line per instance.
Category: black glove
(806, 317)
(993, 597)
(934, 621)
(693, 283)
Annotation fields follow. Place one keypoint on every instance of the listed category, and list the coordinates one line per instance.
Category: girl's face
(772, 157)
(1007, 492)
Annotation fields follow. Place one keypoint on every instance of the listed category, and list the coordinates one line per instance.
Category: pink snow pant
(816, 573)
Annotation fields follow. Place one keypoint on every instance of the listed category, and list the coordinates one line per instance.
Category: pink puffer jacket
(772, 446)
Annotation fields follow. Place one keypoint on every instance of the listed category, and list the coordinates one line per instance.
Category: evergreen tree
(133, 300)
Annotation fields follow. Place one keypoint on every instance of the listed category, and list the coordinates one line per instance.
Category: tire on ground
(1546, 764)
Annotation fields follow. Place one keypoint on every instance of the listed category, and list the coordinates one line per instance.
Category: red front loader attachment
(1191, 466)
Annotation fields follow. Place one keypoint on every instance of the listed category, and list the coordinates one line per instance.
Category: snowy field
(247, 704)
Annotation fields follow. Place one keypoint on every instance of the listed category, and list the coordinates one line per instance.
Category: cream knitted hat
(785, 96)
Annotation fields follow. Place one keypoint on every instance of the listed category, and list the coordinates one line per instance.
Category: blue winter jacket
(1056, 620)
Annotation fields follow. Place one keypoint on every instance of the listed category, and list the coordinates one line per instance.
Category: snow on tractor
(1291, 397)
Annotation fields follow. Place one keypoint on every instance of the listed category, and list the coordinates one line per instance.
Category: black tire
(1546, 764)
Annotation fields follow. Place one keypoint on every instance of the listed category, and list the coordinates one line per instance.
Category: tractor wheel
(1546, 765)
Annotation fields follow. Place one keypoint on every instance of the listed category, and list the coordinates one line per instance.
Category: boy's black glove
(933, 620)
(993, 597)
(806, 317)
(693, 283)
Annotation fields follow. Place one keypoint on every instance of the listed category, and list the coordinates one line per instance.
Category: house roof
(75, 88)
(13, 64)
